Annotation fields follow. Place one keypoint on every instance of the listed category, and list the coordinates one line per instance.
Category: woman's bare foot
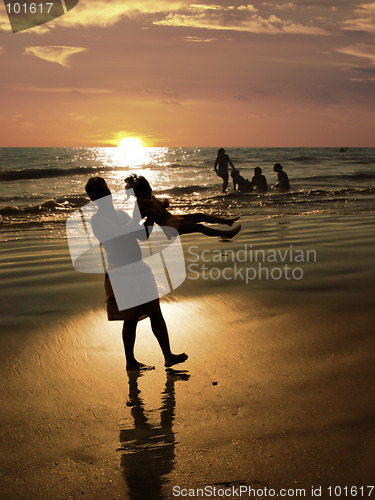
(174, 359)
(230, 222)
(137, 367)
(233, 232)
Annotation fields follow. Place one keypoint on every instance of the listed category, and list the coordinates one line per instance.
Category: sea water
(42, 186)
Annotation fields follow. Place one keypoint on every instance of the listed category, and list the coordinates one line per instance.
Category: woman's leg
(190, 227)
(225, 183)
(211, 219)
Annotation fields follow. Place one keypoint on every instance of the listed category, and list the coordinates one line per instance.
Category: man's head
(277, 167)
(257, 171)
(96, 188)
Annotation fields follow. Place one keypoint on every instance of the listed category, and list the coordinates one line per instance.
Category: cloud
(4, 22)
(238, 19)
(361, 50)
(280, 6)
(202, 6)
(1, 50)
(62, 90)
(365, 21)
(180, 13)
(104, 13)
(54, 53)
(171, 102)
(197, 39)
(100, 13)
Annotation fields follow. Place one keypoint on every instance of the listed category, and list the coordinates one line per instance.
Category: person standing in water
(283, 180)
(259, 182)
(221, 167)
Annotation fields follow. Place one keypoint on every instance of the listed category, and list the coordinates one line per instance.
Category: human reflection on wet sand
(148, 449)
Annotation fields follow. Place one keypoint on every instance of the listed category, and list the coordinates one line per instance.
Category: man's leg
(160, 331)
(128, 337)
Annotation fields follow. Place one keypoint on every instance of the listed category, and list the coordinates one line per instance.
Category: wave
(359, 176)
(303, 159)
(40, 173)
(207, 200)
(59, 205)
(181, 190)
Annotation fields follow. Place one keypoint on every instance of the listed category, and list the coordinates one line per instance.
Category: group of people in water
(155, 211)
(258, 183)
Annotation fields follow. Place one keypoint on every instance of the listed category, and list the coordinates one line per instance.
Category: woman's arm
(215, 166)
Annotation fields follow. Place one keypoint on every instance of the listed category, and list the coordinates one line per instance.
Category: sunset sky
(175, 73)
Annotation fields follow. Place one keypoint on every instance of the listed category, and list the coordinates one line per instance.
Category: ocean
(40, 187)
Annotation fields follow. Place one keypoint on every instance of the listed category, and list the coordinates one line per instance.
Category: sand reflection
(148, 449)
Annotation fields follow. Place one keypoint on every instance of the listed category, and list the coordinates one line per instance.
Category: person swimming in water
(259, 182)
(221, 167)
(240, 183)
(283, 180)
(155, 209)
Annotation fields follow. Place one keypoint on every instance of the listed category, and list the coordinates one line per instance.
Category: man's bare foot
(230, 222)
(233, 232)
(137, 367)
(175, 359)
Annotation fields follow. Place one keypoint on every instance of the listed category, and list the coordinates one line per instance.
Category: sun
(131, 151)
(130, 145)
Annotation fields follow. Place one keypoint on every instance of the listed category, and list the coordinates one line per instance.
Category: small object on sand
(129, 403)
(214, 383)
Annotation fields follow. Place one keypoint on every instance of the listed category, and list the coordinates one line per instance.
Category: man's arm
(149, 226)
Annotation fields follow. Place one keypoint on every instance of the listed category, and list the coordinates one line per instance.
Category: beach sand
(278, 390)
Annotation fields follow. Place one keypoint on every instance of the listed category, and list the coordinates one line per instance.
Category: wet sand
(278, 391)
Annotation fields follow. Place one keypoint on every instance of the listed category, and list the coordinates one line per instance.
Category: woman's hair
(138, 183)
(257, 170)
(220, 151)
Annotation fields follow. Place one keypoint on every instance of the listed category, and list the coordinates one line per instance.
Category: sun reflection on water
(151, 162)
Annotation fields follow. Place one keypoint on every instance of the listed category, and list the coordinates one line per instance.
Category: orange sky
(182, 74)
